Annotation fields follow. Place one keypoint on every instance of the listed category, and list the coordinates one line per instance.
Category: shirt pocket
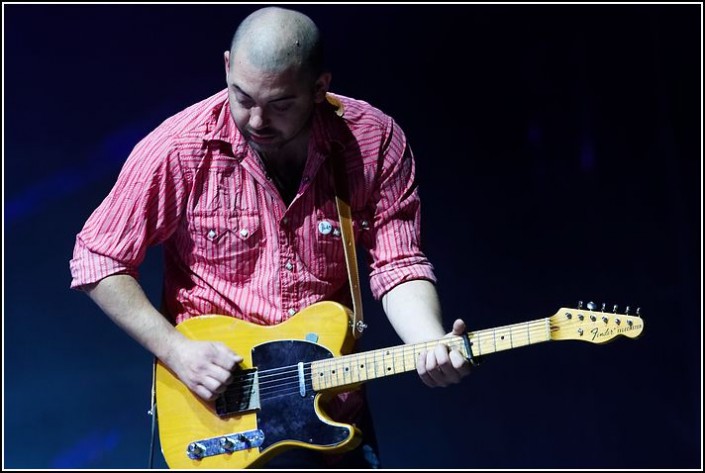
(328, 254)
(228, 245)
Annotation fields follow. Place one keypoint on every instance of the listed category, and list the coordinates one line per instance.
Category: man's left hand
(441, 366)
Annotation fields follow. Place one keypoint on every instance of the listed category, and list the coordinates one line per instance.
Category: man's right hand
(204, 367)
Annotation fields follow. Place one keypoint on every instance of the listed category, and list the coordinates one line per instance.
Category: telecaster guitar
(277, 398)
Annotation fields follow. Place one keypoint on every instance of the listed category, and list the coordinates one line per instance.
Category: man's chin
(264, 145)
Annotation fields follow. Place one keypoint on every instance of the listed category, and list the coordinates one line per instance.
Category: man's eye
(281, 107)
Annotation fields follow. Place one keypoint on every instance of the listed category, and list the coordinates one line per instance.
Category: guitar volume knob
(227, 444)
(195, 450)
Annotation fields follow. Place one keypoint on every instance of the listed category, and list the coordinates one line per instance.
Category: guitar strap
(342, 202)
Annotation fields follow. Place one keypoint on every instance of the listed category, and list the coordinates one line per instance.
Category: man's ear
(321, 87)
(226, 58)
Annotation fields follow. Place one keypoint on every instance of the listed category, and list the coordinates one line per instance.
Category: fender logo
(609, 332)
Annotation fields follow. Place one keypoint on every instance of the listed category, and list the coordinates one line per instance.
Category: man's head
(274, 73)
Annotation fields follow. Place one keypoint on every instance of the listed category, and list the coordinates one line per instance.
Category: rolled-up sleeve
(396, 254)
(141, 210)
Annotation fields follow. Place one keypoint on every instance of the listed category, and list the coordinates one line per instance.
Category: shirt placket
(289, 262)
(288, 269)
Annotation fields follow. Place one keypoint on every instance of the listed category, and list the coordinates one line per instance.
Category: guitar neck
(360, 367)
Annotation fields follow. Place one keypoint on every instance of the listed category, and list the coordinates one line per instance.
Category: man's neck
(285, 167)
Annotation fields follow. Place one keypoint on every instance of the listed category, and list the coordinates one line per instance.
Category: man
(238, 190)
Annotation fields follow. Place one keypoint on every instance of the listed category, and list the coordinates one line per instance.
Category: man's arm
(414, 311)
(204, 367)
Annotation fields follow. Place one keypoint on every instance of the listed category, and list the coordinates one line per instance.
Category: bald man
(238, 190)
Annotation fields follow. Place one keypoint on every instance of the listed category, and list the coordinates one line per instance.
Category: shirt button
(211, 234)
(289, 266)
(244, 232)
(336, 232)
(285, 220)
(365, 224)
(292, 311)
(325, 227)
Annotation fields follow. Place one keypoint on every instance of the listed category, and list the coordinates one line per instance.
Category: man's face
(271, 109)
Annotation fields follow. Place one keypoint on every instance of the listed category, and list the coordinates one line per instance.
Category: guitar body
(269, 409)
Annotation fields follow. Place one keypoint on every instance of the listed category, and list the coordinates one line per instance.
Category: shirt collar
(224, 129)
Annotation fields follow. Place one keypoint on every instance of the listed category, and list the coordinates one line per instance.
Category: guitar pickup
(241, 395)
(225, 444)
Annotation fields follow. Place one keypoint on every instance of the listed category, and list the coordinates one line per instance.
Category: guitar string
(279, 388)
(341, 360)
(539, 326)
(280, 384)
(276, 389)
(273, 387)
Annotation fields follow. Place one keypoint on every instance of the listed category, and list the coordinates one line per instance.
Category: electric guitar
(277, 398)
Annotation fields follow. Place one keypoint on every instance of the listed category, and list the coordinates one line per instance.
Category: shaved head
(274, 39)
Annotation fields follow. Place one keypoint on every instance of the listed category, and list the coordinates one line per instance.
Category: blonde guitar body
(286, 414)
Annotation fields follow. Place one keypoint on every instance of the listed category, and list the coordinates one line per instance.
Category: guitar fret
(336, 372)
(511, 338)
(372, 364)
(365, 365)
(346, 372)
(528, 333)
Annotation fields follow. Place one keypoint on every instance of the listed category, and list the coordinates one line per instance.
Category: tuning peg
(591, 305)
(614, 309)
(626, 311)
(638, 311)
(580, 305)
(603, 307)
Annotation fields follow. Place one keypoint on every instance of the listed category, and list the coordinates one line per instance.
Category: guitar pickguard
(285, 414)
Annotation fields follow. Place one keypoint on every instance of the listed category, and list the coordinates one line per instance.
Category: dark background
(559, 158)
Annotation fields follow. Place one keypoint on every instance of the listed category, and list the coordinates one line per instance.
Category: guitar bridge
(224, 444)
(242, 394)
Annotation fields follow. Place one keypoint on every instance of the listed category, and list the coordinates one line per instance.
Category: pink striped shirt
(231, 244)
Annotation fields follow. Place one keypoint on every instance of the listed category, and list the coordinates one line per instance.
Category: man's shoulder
(195, 121)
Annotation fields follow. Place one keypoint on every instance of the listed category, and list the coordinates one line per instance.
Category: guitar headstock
(594, 326)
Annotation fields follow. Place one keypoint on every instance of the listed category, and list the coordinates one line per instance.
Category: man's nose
(258, 119)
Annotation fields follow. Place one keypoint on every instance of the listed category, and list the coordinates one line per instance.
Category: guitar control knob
(227, 444)
(196, 450)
